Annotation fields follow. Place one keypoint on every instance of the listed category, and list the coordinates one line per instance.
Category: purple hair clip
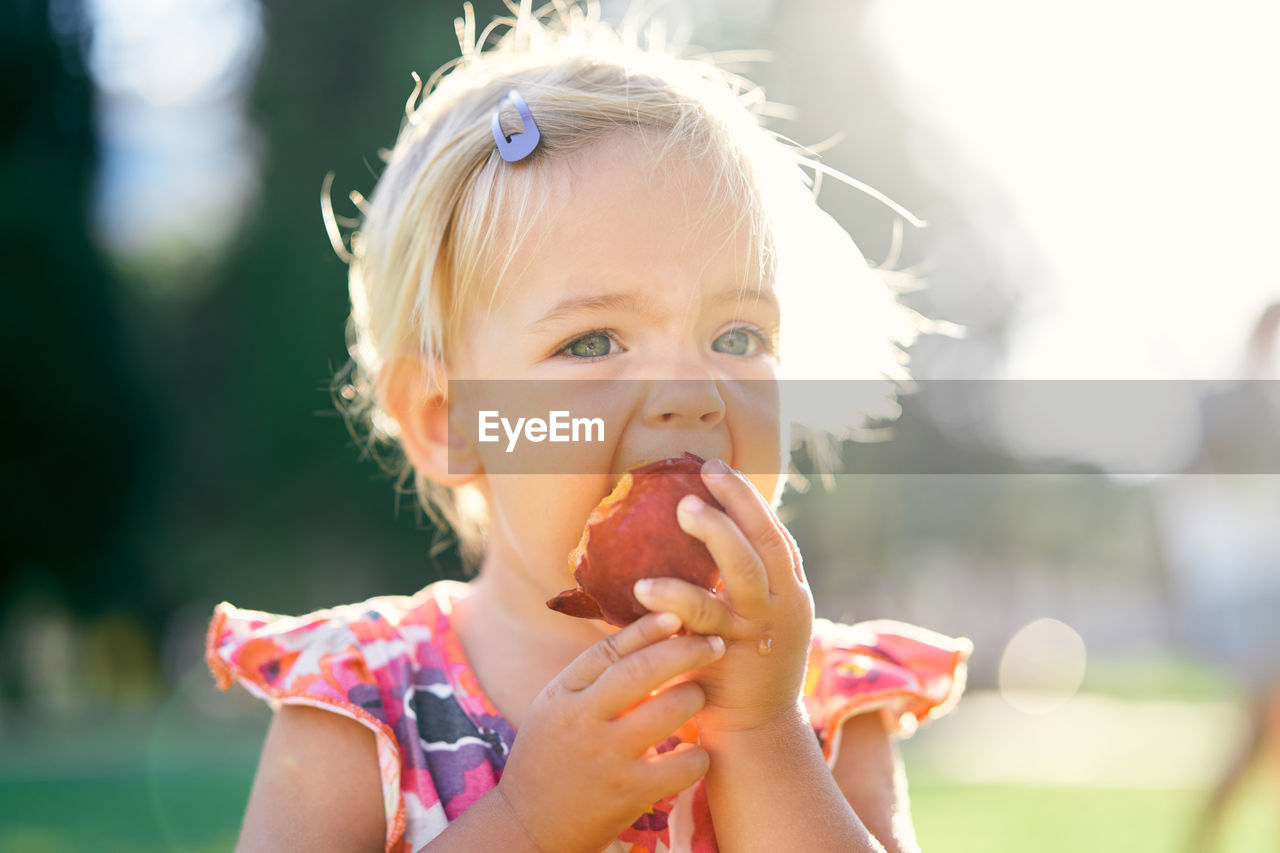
(517, 146)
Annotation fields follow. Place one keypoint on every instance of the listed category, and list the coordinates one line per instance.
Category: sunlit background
(1100, 187)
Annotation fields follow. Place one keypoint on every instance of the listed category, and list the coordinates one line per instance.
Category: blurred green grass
(953, 818)
(120, 814)
(1157, 677)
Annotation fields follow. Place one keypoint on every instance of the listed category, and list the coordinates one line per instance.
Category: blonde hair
(428, 239)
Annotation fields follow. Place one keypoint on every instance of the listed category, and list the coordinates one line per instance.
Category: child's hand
(764, 611)
(578, 773)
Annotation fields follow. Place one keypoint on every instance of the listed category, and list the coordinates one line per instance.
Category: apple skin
(633, 534)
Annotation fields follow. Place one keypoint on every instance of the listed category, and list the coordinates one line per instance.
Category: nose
(684, 403)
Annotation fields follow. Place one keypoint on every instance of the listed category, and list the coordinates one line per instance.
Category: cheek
(543, 515)
(766, 485)
(761, 449)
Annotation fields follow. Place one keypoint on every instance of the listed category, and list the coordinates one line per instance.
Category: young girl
(568, 206)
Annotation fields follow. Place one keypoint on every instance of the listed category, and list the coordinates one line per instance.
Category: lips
(632, 534)
(653, 458)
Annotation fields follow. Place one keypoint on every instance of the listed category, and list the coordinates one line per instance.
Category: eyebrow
(638, 302)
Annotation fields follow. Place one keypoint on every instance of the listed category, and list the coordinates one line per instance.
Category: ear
(422, 413)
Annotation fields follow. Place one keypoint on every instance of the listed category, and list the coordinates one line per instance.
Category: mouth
(616, 476)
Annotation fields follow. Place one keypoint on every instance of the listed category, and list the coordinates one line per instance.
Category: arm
(769, 788)
(318, 786)
(870, 774)
(775, 789)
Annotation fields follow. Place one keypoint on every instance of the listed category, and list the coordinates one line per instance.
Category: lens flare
(1042, 666)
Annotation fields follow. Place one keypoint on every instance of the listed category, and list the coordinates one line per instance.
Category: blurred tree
(198, 435)
(80, 421)
(279, 512)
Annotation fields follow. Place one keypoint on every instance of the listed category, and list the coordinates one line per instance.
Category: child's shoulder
(274, 655)
(363, 661)
(908, 673)
(317, 786)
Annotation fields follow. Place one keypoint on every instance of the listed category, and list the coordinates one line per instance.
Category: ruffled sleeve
(317, 660)
(909, 674)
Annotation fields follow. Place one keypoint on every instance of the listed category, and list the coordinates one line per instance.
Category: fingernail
(668, 622)
(643, 588)
(717, 644)
(691, 504)
(716, 466)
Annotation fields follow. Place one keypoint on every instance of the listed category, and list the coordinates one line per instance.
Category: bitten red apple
(633, 534)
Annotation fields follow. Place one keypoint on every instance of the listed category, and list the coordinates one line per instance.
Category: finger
(675, 770)
(645, 631)
(796, 559)
(757, 520)
(655, 719)
(746, 578)
(701, 610)
(792, 548)
(632, 679)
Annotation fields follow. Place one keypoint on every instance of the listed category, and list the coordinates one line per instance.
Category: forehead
(625, 211)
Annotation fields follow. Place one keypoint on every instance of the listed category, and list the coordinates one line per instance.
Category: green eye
(593, 345)
(736, 342)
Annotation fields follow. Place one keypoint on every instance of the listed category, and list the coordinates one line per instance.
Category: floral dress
(394, 664)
